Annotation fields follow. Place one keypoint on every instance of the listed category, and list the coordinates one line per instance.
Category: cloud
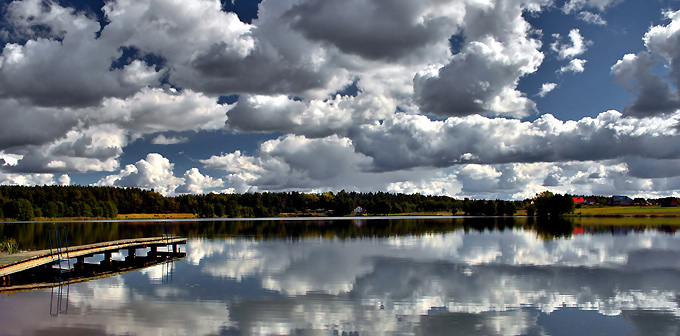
(576, 5)
(653, 95)
(73, 71)
(92, 139)
(351, 102)
(157, 172)
(195, 182)
(163, 140)
(552, 180)
(64, 179)
(315, 118)
(26, 179)
(652, 168)
(513, 159)
(31, 126)
(153, 172)
(575, 65)
(95, 148)
(568, 51)
(292, 162)
(422, 142)
(636, 73)
(492, 60)
(546, 88)
(419, 24)
(592, 18)
(161, 110)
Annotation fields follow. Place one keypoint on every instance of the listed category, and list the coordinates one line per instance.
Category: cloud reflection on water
(485, 283)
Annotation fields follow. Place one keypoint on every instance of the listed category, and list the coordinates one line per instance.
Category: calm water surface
(361, 278)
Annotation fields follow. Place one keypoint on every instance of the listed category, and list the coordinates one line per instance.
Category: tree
(552, 205)
(111, 208)
(382, 208)
(207, 210)
(51, 210)
(531, 210)
(490, 208)
(20, 209)
(474, 208)
(344, 207)
(510, 208)
(220, 210)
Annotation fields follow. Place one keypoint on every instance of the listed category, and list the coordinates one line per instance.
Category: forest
(29, 202)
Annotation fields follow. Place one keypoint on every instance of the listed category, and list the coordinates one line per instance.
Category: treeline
(25, 203)
(294, 203)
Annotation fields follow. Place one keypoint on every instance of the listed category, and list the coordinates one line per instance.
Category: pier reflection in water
(31, 270)
(470, 280)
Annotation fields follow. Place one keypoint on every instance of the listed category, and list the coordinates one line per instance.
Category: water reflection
(34, 236)
(59, 298)
(509, 281)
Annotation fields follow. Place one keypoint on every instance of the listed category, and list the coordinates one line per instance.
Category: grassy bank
(156, 216)
(628, 211)
(119, 217)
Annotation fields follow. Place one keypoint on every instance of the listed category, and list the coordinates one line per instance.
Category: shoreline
(629, 212)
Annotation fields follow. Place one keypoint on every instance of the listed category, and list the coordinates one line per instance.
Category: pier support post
(80, 262)
(132, 253)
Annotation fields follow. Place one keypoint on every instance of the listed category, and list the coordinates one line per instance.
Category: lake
(424, 276)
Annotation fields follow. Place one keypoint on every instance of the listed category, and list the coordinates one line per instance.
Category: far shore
(589, 212)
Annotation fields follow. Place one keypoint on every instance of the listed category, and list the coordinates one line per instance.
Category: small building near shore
(590, 201)
(621, 200)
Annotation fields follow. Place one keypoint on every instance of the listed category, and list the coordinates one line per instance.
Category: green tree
(382, 208)
(344, 207)
(110, 209)
(220, 210)
(207, 210)
(531, 210)
(510, 208)
(51, 210)
(549, 204)
(490, 208)
(19, 209)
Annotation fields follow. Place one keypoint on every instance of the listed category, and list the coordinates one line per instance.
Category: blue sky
(466, 98)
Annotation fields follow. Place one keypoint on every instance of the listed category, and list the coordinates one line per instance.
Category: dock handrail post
(49, 238)
(58, 241)
(68, 257)
(166, 236)
(57, 247)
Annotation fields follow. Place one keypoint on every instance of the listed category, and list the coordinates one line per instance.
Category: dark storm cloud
(654, 94)
(22, 126)
(422, 142)
(376, 30)
(263, 71)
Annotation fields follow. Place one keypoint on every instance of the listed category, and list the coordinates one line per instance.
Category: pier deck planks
(17, 262)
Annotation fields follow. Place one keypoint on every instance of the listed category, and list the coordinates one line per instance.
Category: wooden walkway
(17, 262)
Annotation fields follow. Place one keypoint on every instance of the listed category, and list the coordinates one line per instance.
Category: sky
(466, 98)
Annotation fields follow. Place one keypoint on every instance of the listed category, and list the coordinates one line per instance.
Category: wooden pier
(18, 262)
